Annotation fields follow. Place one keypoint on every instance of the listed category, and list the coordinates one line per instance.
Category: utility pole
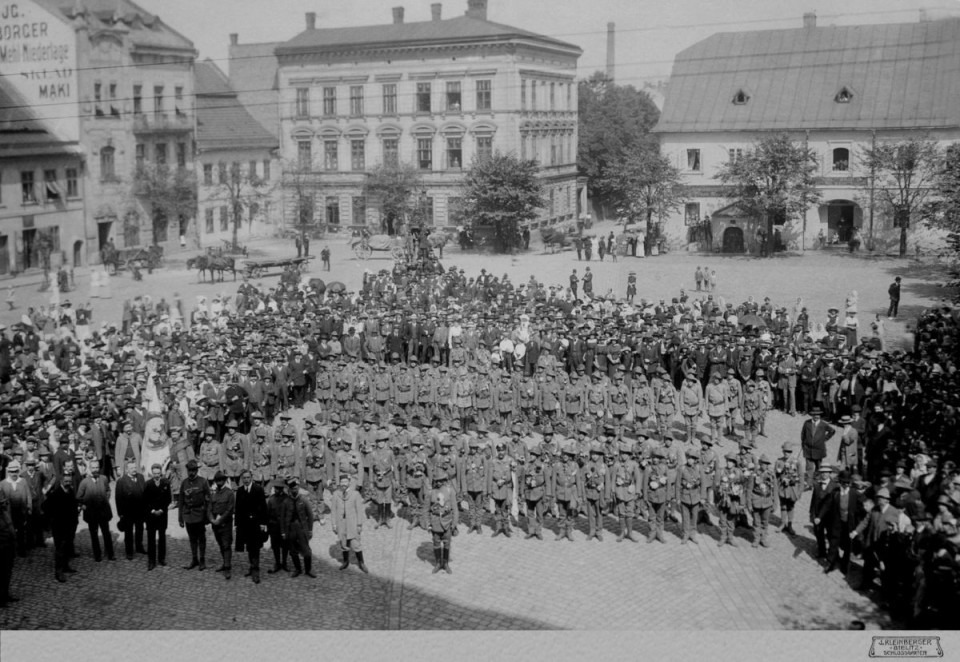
(873, 148)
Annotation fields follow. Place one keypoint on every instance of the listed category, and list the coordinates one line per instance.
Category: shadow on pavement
(123, 595)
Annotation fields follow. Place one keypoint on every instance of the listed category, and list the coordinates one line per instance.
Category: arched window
(841, 159)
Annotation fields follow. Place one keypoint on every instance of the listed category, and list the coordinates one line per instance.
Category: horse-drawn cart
(363, 247)
(117, 259)
(259, 268)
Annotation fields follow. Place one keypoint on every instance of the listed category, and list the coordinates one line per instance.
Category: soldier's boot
(296, 565)
(308, 567)
(623, 530)
(497, 527)
(652, 535)
(276, 562)
(283, 560)
(730, 539)
(539, 531)
(507, 531)
(387, 514)
(438, 558)
(361, 564)
(414, 513)
(570, 531)
(629, 535)
(763, 538)
(345, 563)
(723, 538)
(561, 530)
(446, 560)
(378, 517)
(693, 536)
(531, 528)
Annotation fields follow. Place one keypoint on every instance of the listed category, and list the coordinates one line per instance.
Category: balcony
(147, 123)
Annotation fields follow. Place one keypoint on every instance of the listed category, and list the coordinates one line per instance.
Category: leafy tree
(649, 187)
(773, 180)
(244, 192)
(393, 187)
(300, 182)
(905, 173)
(948, 186)
(504, 192)
(167, 193)
(612, 120)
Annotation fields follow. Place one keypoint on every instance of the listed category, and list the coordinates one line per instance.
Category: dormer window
(740, 98)
(843, 96)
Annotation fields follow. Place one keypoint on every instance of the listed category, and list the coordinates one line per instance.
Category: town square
(422, 325)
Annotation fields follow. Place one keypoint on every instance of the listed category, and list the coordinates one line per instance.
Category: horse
(218, 263)
(554, 239)
(110, 257)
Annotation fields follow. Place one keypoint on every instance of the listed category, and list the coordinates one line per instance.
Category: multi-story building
(436, 94)
(237, 168)
(839, 90)
(117, 80)
(41, 190)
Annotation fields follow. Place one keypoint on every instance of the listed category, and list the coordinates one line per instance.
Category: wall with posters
(38, 55)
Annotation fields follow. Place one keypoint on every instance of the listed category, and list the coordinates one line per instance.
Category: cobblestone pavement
(496, 584)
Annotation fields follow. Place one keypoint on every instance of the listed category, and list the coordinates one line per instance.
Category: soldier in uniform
(444, 520)
(666, 407)
(789, 485)
(383, 470)
(506, 399)
(567, 490)
(347, 519)
(425, 396)
(691, 495)
(499, 487)
(753, 411)
(464, 390)
(618, 397)
(181, 452)
(730, 498)
(413, 473)
(625, 486)
(691, 404)
(288, 454)
(528, 397)
(315, 472)
(674, 459)
(325, 383)
(274, 515)
(220, 509)
(643, 397)
(535, 479)
(192, 510)
(296, 526)
(709, 465)
(262, 457)
(209, 454)
(473, 482)
(385, 393)
(761, 490)
(444, 394)
(594, 489)
(234, 453)
(766, 396)
(734, 401)
(484, 397)
(656, 494)
(717, 397)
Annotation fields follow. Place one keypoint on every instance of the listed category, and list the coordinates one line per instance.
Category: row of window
(840, 159)
(548, 94)
(561, 147)
(160, 154)
(106, 104)
(424, 101)
(234, 171)
(424, 158)
(33, 190)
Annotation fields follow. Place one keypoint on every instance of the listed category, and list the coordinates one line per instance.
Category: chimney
(311, 20)
(234, 39)
(435, 11)
(611, 27)
(923, 16)
(810, 19)
(398, 15)
(477, 9)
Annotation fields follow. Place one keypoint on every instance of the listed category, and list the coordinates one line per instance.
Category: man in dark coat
(296, 525)
(822, 489)
(94, 497)
(813, 441)
(251, 518)
(8, 536)
(62, 511)
(130, 508)
(192, 511)
(839, 514)
(156, 503)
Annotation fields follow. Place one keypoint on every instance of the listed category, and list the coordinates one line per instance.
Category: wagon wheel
(398, 253)
(362, 252)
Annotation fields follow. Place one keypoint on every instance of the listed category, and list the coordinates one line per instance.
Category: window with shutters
(693, 160)
(51, 186)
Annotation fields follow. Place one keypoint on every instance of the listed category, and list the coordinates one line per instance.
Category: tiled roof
(253, 76)
(458, 29)
(23, 133)
(145, 29)
(904, 75)
(222, 121)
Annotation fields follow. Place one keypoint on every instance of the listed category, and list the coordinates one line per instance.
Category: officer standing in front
(192, 506)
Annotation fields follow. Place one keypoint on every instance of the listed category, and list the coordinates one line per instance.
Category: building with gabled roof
(436, 94)
(838, 89)
(230, 140)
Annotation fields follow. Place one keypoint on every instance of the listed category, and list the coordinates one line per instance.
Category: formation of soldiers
(451, 397)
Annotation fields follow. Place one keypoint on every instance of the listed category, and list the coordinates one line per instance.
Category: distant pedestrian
(698, 276)
(894, 292)
(325, 257)
(587, 248)
(306, 245)
(601, 248)
(631, 287)
(299, 244)
(588, 283)
(526, 238)
(577, 243)
(713, 280)
(612, 247)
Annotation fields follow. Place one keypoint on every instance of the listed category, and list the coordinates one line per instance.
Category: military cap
(256, 414)
(293, 481)
(383, 435)
(335, 418)
(625, 447)
(731, 457)
(219, 476)
(231, 423)
(474, 443)
(535, 450)
(707, 441)
(546, 429)
(208, 430)
(446, 441)
(517, 428)
(596, 447)
(764, 459)
(285, 415)
(191, 464)
(883, 493)
(694, 454)
(788, 446)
